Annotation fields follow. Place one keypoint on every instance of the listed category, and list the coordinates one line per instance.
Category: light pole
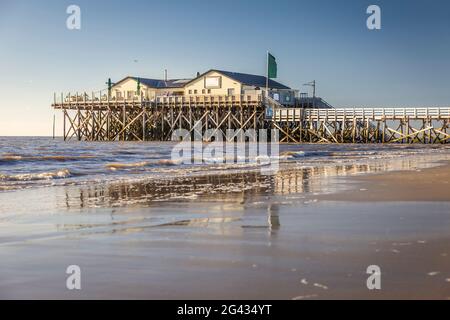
(313, 85)
(110, 85)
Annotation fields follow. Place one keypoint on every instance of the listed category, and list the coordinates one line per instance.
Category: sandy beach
(308, 233)
(420, 185)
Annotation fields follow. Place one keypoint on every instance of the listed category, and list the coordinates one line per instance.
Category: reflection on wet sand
(234, 188)
(213, 201)
(237, 188)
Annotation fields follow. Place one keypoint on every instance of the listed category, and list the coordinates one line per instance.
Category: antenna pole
(54, 120)
(267, 73)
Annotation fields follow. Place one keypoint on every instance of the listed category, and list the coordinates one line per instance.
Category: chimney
(198, 74)
(165, 74)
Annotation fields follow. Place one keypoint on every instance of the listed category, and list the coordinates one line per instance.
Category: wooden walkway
(294, 114)
(367, 125)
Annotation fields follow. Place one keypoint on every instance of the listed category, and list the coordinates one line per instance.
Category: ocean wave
(162, 162)
(292, 154)
(9, 158)
(60, 174)
(169, 162)
(117, 166)
(208, 160)
(15, 158)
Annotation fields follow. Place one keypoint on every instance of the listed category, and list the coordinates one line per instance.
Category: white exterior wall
(197, 87)
(128, 89)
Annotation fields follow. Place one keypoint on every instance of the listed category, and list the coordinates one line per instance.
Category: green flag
(110, 84)
(271, 66)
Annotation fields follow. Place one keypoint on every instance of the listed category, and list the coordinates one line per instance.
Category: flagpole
(267, 75)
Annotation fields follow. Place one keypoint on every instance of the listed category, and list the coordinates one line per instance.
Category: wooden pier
(97, 118)
(363, 125)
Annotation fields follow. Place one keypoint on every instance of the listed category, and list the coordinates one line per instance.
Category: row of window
(130, 94)
(204, 91)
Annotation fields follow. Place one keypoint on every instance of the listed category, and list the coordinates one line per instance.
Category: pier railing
(297, 114)
(103, 101)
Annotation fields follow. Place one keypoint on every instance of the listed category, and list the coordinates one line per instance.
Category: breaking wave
(60, 174)
(162, 162)
(116, 166)
(16, 158)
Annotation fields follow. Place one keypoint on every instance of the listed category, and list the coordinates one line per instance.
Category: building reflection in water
(214, 201)
(236, 188)
(273, 212)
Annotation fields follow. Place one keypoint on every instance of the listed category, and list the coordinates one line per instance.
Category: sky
(405, 64)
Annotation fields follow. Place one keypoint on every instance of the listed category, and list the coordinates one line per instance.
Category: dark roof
(161, 84)
(244, 78)
(251, 79)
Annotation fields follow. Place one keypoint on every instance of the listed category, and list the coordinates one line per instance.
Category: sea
(37, 162)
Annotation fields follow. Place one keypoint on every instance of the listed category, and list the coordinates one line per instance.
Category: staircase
(316, 103)
(270, 104)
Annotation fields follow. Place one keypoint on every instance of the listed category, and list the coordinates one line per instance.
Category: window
(190, 91)
(203, 91)
(213, 82)
(209, 91)
(230, 91)
(195, 91)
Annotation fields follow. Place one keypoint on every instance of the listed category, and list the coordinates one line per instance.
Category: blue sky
(406, 63)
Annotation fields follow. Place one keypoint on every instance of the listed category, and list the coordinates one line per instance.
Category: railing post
(92, 114)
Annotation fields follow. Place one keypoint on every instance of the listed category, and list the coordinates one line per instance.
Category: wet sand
(277, 239)
(431, 184)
